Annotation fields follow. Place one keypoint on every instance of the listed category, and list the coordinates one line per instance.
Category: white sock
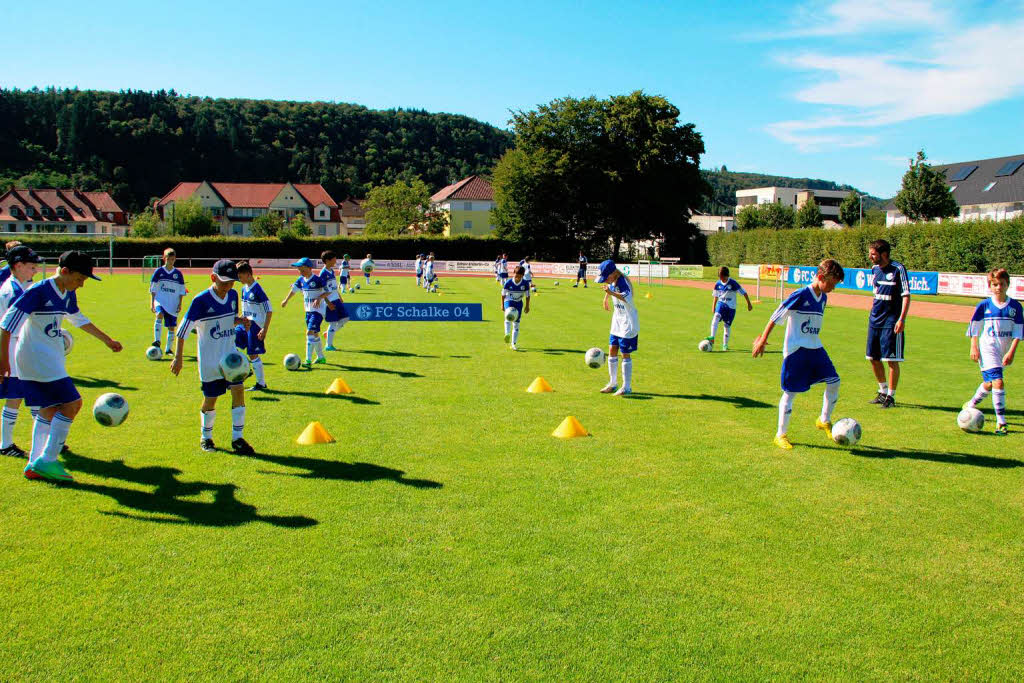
(330, 334)
(627, 373)
(170, 337)
(980, 395)
(828, 403)
(508, 327)
(309, 348)
(613, 370)
(785, 412)
(59, 428)
(10, 416)
(883, 387)
(158, 324)
(257, 369)
(714, 324)
(318, 346)
(999, 403)
(725, 334)
(890, 391)
(515, 332)
(206, 419)
(237, 422)
(40, 430)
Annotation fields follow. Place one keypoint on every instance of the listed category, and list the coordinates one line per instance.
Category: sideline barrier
(975, 284)
(921, 282)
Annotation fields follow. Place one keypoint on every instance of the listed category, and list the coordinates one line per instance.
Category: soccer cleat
(330, 348)
(14, 451)
(508, 337)
(575, 286)
(207, 445)
(1002, 430)
(320, 361)
(887, 402)
(30, 473)
(609, 388)
(513, 346)
(878, 399)
(257, 387)
(782, 441)
(51, 470)
(307, 364)
(242, 447)
(725, 347)
(825, 427)
(624, 391)
(156, 344)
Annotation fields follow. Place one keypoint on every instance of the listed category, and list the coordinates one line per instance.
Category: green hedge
(968, 247)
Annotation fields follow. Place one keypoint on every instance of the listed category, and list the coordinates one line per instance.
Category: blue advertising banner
(376, 312)
(860, 278)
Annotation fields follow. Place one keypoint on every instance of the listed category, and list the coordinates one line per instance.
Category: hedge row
(968, 247)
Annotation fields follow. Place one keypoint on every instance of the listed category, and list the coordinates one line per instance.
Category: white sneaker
(623, 391)
(513, 346)
(609, 388)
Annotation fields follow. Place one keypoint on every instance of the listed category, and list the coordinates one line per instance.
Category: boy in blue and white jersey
(23, 264)
(35, 319)
(503, 268)
(213, 314)
(428, 273)
(419, 269)
(525, 265)
(335, 315)
(723, 310)
(343, 278)
(581, 272)
(996, 329)
(257, 310)
(513, 293)
(625, 331)
(313, 294)
(804, 359)
(166, 290)
(367, 265)
(5, 272)
(497, 262)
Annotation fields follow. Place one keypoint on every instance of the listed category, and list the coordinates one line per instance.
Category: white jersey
(255, 304)
(9, 292)
(311, 288)
(419, 266)
(625, 323)
(167, 288)
(502, 267)
(996, 326)
(803, 311)
(726, 292)
(344, 268)
(36, 317)
(528, 275)
(213, 319)
(330, 283)
(428, 270)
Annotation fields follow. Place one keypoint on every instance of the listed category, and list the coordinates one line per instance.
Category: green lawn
(448, 535)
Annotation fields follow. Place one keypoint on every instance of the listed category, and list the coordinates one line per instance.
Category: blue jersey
(255, 304)
(995, 325)
(213, 319)
(311, 288)
(890, 285)
(344, 268)
(5, 274)
(35, 318)
(803, 311)
(515, 293)
(330, 283)
(526, 266)
(726, 292)
(502, 267)
(167, 288)
(583, 262)
(9, 293)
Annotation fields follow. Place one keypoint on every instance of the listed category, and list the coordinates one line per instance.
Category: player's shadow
(738, 401)
(561, 352)
(320, 468)
(383, 371)
(351, 398)
(98, 383)
(937, 456)
(166, 504)
(1016, 412)
(390, 354)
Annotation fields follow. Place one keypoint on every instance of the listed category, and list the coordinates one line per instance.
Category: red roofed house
(234, 205)
(468, 205)
(61, 211)
(353, 217)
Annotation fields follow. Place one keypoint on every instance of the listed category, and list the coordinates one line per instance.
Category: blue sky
(844, 90)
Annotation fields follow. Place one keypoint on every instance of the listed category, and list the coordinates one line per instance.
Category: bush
(965, 247)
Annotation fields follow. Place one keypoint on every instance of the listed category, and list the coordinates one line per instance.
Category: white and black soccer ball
(358, 286)
(110, 409)
(69, 341)
(556, 283)
(846, 432)
(705, 345)
(376, 282)
(292, 362)
(234, 367)
(970, 419)
(594, 358)
(154, 353)
(511, 314)
(368, 267)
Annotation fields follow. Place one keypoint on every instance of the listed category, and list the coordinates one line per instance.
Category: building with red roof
(61, 211)
(467, 205)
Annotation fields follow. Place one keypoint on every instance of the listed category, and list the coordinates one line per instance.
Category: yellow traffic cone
(569, 428)
(314, 433)
(539, 386)
(648, 295)
(338, 386)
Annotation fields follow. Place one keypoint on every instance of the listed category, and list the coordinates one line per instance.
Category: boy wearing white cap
(625, 328)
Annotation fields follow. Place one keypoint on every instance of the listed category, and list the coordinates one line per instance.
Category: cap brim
(299, 264)
(225, 278)
(600, 279)
(95, 278)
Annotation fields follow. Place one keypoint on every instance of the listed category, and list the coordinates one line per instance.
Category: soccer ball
(556, 283)
(368, 268)
(846, 432)
(357, 286)
(292, 362)
(594, 358)
(970, 419)
(69, 341)
(704, 345)
(110, 409)
(234, 367)
(376, 282)
(511, 314)
(154, 353)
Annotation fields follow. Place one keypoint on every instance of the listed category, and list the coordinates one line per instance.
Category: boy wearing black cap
(214, 314)
(35, 318)
(23, 263)
(5, 272)
(624, 332)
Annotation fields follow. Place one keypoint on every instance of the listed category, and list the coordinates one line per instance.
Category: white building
(709, 225)
(828, 201)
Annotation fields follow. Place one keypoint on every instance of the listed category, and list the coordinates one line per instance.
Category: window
(989, 186)
(27, 227)
(963, 172)
(467, 206)
(236, 229)
(323, 212)
(29, 211)
(46, 211)
(61, 211)
(321, 230)
(80, 229)
(467, 225)
(15, 211)
(1010, 167)
(746, 201)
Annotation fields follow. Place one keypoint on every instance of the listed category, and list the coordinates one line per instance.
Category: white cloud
(848, 17)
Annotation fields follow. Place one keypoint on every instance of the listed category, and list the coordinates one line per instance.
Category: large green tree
(592, 170)
(187, 217)
(391, 209)
(925, 195)
(808, 215)
(849, 209)
(145, 224)
(267, 225)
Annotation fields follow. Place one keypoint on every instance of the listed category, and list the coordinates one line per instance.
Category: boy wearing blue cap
(625, 328)
(314, 293)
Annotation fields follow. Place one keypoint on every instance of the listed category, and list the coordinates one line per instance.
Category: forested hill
(724, 184)
(139, 144)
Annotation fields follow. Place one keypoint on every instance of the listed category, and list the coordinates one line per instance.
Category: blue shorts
(217, 387)
(249, 339)
(503, 276)
(12, 388)
(991, 375)
(805, 367)
(169, 320)
(419, 273)
(626, 345)
(47, 394)
(581, 274)
(313, 320)
(339, 313)
(343, 279)
(884, 344)
(727, 314)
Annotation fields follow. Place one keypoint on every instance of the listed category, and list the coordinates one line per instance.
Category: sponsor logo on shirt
(993, 332)
(808, 328)
(217, 333)
(53, 329)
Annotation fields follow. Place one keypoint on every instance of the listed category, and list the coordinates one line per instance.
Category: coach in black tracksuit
(887, 320)
(581, 274)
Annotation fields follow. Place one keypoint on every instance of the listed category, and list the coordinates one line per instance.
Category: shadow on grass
(937, 456)
(164, 505)
(458, 356)
(97, 383)
(351, 398)
(952, 410)
(390, 354)
(738, 401)
(559, 352)
(319, 468)
(360, 368)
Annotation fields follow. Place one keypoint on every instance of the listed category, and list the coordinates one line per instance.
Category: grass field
(448, 535)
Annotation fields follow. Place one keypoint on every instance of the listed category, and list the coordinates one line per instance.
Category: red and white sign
(974, 284)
